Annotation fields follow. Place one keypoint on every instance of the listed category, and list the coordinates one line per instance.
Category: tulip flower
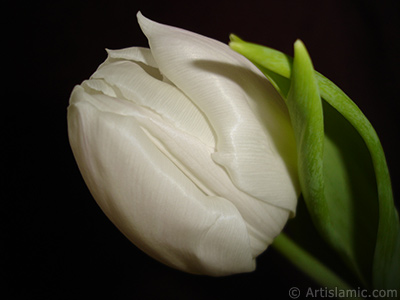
(188, 149)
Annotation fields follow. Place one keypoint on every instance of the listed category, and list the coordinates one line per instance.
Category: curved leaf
(355, 213)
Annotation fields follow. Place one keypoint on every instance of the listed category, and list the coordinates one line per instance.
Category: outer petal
(255, 142)
(264, 221)
(183, 134)
(137, 121)
(135, 84)
(147, 197)
(136, 54)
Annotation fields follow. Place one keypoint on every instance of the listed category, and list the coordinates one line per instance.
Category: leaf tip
(299, 45)
(235, 42)
(234, 38)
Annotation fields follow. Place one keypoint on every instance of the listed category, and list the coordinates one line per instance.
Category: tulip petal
(135, 84)
(188, 150)
(187, 140)
(170, 219)
(249, 118)
(264, 221)
(136, 54)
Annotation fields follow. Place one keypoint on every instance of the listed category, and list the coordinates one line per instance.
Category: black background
(57, 243)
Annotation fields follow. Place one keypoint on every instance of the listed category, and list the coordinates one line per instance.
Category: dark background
(57, 243)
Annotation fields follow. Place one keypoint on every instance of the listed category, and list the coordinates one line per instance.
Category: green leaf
(305, 108)
(375, 214)
(349, 195)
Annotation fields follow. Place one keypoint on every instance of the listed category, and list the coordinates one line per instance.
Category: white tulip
(188, 149)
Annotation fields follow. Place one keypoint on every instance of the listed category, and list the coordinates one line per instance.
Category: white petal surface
(256, 152)
(170, 219)
(133, 83)
(264, 221)
(188, 149)
(136, 54)
(185, 137)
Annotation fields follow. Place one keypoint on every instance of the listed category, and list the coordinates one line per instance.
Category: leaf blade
(386, 258)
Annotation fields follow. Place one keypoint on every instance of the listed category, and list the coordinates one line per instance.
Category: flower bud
(187, 149)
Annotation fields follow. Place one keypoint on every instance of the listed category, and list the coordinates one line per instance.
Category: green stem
(307, 263)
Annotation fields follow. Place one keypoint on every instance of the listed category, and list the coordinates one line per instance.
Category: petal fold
(150, 200)
(255, 139)
(188, 150)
